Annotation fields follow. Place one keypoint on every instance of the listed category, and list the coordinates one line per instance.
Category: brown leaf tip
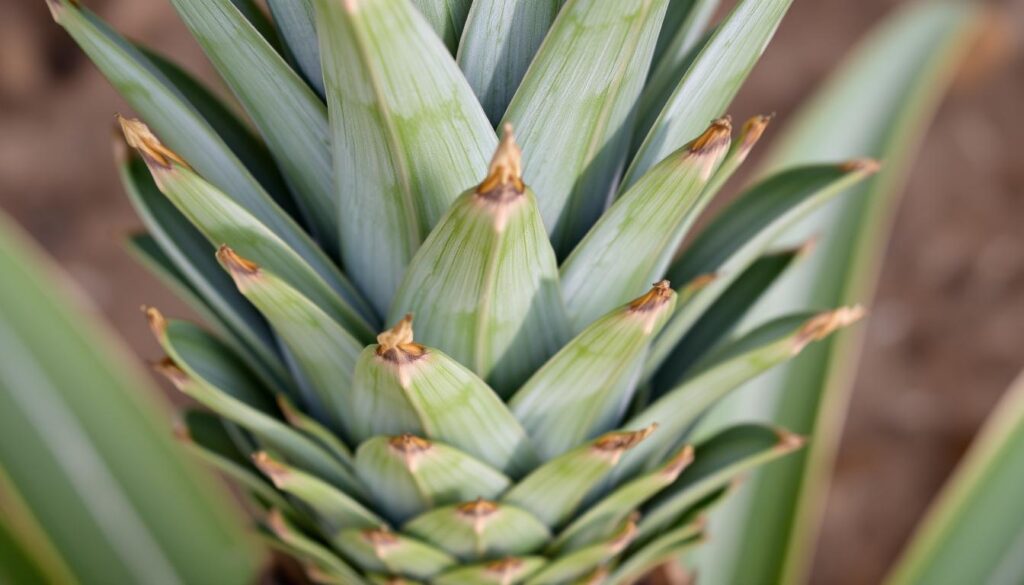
(867, 166)
(620, 441)
(752, 131)
(681, 461)
(789, 441)
(140, 137)
(170, 370)
(411, 448)
(380, 538)
(479, 508)
(507, 568)
(240, 268)
(822, 325)
(505, 174)
(625, 536)
(397, 345)
(277, 524)
(714, 139)
(269, 467)
(155, 319)
(660, 294)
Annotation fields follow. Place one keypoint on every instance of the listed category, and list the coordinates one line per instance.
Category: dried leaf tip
(616, 443)
(506, 167)
(625, 536)
(270, 468)
(170, 370)
(240, 268)
(277, 524)
(752, 131)
(397, 345)
(156, 320)
(478, 512)
(660, 294)
(380, 539)
(508, 568)
(867, 166)
(138, 136)
(681, 461)
(822, 325)
(714, 139)
(788, 440)
(411, 448)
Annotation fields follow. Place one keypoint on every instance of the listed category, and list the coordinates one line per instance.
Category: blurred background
(944, 338)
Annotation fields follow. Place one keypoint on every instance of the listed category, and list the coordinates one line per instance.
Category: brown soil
(945, 336)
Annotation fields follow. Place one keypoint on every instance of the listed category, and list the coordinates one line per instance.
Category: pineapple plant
(450, 334)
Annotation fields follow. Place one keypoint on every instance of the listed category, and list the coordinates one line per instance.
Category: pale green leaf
(408, 134)
(296, 21)
(480, 530)
(381, 550)
(685, 21)
(572, 111)
(446, 17)
(509, 571)
(666, 547)
(578, 563)
(301, 546)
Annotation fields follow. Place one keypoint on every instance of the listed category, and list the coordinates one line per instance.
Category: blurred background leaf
(92, 487)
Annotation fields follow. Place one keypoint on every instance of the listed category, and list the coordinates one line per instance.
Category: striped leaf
(554, 490)
(685, 21)
(151, 94)
(573, 108)
(407, 475)
(403, 387)
(484, 286)
(709, 85)
(578, 563)
(323, 351)
(333, 509)
(206, 370)
(741, 232)
(480, 530)
(380, 550)
(499, 42)
(408, 134)
(296, 21)
(446, 17)
(508, 571)
(636, 239)
(289, 115)
(605, 516)
(585, 388)
(92, 488)
(223, 221)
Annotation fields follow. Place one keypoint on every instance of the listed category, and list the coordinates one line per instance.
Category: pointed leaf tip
(714, 138)
(616, 443)
(270, 468)
(751, 133)
(506, 168)
(506, 569)
(170, 370)
(789, 441)
(660, 294)
(681, 461)
(867, 166)
(138, 136)
(397, 345)
(239, 267)
(155, 319)
(411, 448)
(820, 326)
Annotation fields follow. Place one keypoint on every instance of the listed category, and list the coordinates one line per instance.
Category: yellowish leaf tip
(140, 137)
(397, 345)
(411, 448)
(789, 441)
(506, 569)
(505, 169)
(240, 268)
(714, 139)
(478, 512)
(625, 536)
(867, 166)
(170, 370)
(752, 131)
(681, 461)
(660, 294)
(277, 524)
(157, 322)
(276, 472)
(822, 325)
(381, 539)
(616, 443)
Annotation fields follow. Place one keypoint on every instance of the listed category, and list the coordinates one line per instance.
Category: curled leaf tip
(240, 268)
(397, 345)
(618, 442)
(170, 370)
(660, 294)
(155, 319)
(714, 139)
(822, 325)
(867, 166)
(270, 468)
(505, 170)
(138, 136)
(789, 441)
(681, 461)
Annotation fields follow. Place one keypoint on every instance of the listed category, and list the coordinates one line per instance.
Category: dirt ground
(944, 340)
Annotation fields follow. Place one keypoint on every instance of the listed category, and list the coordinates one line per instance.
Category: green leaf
(685, 21)
(709, 85)
(408, 134)
(296, 21)
(573, 108)
(113, 510)
(554, 490)
(27, 555)
(209, 372)
(724, 314)
(636, 239)
(480, 530)
(509, 571)
(578, 563)
(499, 42)
(151, 93)
(289, 115)
(301, 546)
(384, 551)
(600, 520)
(877, 105)
(741, 232)
(314, 430)
(585, 388)
(407, 475)
(447, 17)
(193, 257)
(484, 285)
(333, 509)
(666, 547)
(403, 387)
(973, 531)
(223, 221)
(322, 350)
